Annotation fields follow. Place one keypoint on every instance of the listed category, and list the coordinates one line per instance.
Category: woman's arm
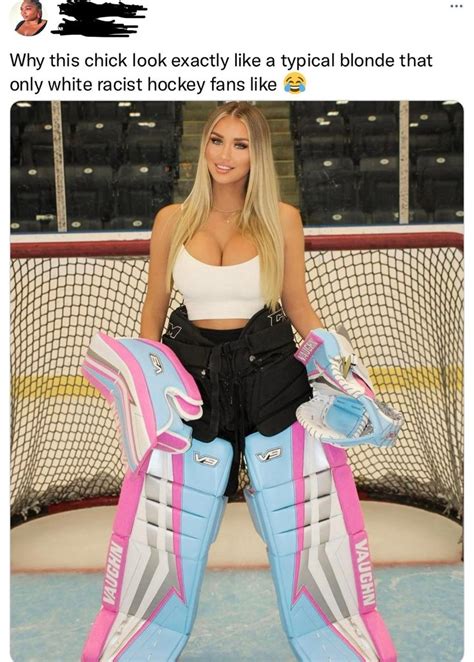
(157, 297)
(294, 296)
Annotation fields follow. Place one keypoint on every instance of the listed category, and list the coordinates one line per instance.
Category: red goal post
(398, 291)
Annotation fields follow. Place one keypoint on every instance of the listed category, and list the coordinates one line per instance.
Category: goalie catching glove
(343, 411)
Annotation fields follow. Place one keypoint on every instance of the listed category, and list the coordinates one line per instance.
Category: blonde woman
(236, 254)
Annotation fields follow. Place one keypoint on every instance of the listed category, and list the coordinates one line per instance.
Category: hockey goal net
(399, 295)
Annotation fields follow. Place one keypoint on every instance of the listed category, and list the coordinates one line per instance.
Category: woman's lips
(223, 168)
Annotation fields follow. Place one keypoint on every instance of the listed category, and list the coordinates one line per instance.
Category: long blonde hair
(259, 218)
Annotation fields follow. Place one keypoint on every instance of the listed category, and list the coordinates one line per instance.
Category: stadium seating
(448, 216)
(37, 144)
(89, 192)
(105, 111)
(142, 190)
(323, 137)
(440, 181)
(97, 143)
(383, 217)
(129, 223)
(458, 125)
(30, 112)
(430, 132)
(151, 142)
(15, 145)
(160, 111)
(379, 187)
(19, 226)
(373, 135)
(122, 160)
(32, 193)
(327, 184)
(336, 218)
(84, 225)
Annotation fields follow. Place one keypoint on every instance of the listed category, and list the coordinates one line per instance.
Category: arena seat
(71, 112)
(325, 138)
(125, 111)
(336, 218)
(102, 111)
(142, 190)
(373, 135)
(430, 132)
(350, 109)
(37, 144)
(129, 223)
(19, 227)
(32, 193)
(14, 145)
(342, 109)
(425, 106)
(379, 183)
(76, 224)
(440, 181)
(159, 111)
(89, 191)
(384, 217)
(448, 216)
(327, 184)
(97, 143)
(151, 142)
(451, 108)
(30, 112)
(300, 110)
(458, 126)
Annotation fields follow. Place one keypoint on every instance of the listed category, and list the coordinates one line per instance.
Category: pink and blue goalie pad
(344, 411)
(305, 506)
(170, 506)
(149, 390)
(168, 515)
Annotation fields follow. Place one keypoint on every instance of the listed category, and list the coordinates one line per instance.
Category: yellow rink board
(391, 379)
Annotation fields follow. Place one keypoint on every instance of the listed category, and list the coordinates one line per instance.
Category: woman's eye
(241, 145)
(216, 141)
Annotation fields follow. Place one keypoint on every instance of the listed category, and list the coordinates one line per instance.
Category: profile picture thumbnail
(32, 22)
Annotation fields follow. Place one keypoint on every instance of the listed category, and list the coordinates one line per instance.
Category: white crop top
(222, 292)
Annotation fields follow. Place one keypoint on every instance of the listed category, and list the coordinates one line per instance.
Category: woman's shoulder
(166, 214)
(288, 211)
(164, 223)
(19, 25)
(290, 217)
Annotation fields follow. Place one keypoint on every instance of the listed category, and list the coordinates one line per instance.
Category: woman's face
(29, 11)
(227, 152)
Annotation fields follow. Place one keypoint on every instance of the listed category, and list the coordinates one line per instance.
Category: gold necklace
(228, 213)
(223, 211)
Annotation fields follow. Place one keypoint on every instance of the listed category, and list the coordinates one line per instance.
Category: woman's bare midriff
(221, 325)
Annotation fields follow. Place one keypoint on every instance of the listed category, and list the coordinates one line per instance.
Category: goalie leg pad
(304, 503)
(168, 515)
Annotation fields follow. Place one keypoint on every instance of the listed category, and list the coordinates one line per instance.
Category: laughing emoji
(294, 82)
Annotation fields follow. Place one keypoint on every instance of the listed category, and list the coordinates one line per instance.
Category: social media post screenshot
(236, 331)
